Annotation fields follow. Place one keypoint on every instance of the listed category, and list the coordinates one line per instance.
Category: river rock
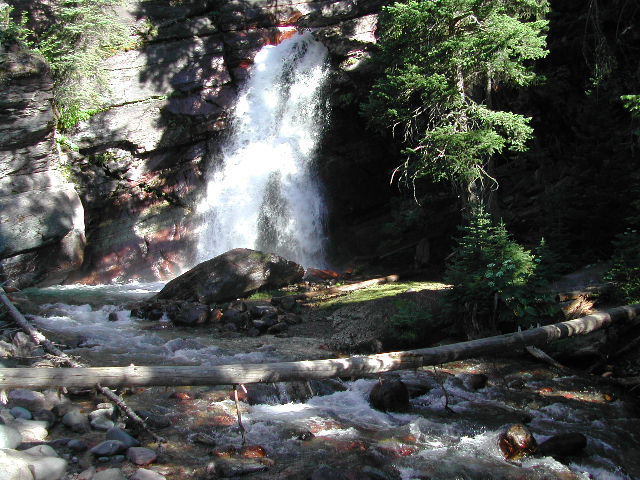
(563, 445)
(389, 395)
(77, 445)
(516, 442)
(46, 416)
(236, 467)
(77, 421)
(21, 412)
(31, 430)
(40, 467)
(325, 472)
(474, 381)
(41, 451)
(29, 399)
(144, 474)
(109, 474)
(108, 448)
(190, 314)
(141, 455)
(117, 433)
(9, 437)
(233, 274)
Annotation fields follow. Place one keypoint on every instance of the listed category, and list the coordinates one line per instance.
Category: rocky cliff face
(41, 217)
(141, 162)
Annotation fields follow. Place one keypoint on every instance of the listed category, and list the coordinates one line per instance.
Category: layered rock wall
(140, 164)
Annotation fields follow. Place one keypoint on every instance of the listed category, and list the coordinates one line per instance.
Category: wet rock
(141, 455)
(278, 328)
(389, 395)
(77, 421)
(144, 474)
(190, 314)
(259, 311)
(108, 448)
(236, 467)
(203, 439)
(516, 442)
(563, 445)
(325, 472)
(119, 434)
(45, 416)
(113, 317)
(77, 445)
(231, 275)
(305, 436)
(9, 437)
(154, 420)
(252, 451)
(225, 451)
(109, 474)
(474, 381)
(29, 399)
(21, 412)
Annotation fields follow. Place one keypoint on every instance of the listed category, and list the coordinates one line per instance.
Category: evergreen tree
(442, 61)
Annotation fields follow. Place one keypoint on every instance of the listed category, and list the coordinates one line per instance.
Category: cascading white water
(266, 194)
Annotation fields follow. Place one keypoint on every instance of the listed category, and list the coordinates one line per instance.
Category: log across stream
(311, 369)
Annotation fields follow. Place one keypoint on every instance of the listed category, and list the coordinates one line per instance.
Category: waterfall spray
(266, 195)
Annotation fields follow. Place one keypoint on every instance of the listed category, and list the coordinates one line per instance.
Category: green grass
(379, 291)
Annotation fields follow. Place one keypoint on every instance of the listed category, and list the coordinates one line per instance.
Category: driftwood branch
(39, 339)
(310, 369)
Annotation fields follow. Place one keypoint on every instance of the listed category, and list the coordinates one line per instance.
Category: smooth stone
(45, 416)
(87, 474)
(76, 421)
(144, 474)
(516, 442)
(109, 474)
(77, 445)
(29, 399)
(31, 430)
(108, 448)
(563, 445)
(102, 423)
(102, 413)
(21, 412)
(41, 451)
(12, 469)
(9, 437)
(5, 416)
(141, 455)
(389, 395)
(41, 468)
(117, 433)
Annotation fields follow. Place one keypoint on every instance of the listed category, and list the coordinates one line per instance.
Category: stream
(450, 432)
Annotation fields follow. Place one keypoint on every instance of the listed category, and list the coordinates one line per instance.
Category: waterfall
(266, 194)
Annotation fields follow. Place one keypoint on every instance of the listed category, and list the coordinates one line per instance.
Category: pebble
(144, 474)
(9, 437)
(108, 447)
(117, 433)
(141, 455)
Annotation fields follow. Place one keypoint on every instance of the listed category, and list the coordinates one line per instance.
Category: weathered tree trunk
(311, 369)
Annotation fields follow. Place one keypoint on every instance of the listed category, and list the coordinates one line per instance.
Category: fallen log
(39, 339)
(309, 369)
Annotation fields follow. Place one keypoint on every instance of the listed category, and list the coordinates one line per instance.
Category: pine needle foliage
(84, 33)
(495, 279)
(442, 60)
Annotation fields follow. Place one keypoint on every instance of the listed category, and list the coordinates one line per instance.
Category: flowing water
(266, 194)
(449, 433)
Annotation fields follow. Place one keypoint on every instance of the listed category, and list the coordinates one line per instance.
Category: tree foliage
(442, 61)
(495, 279)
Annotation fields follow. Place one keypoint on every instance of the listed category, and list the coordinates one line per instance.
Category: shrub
(495, 279)
(625, 269)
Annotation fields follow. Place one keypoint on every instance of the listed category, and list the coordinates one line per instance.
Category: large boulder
(233, 274)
